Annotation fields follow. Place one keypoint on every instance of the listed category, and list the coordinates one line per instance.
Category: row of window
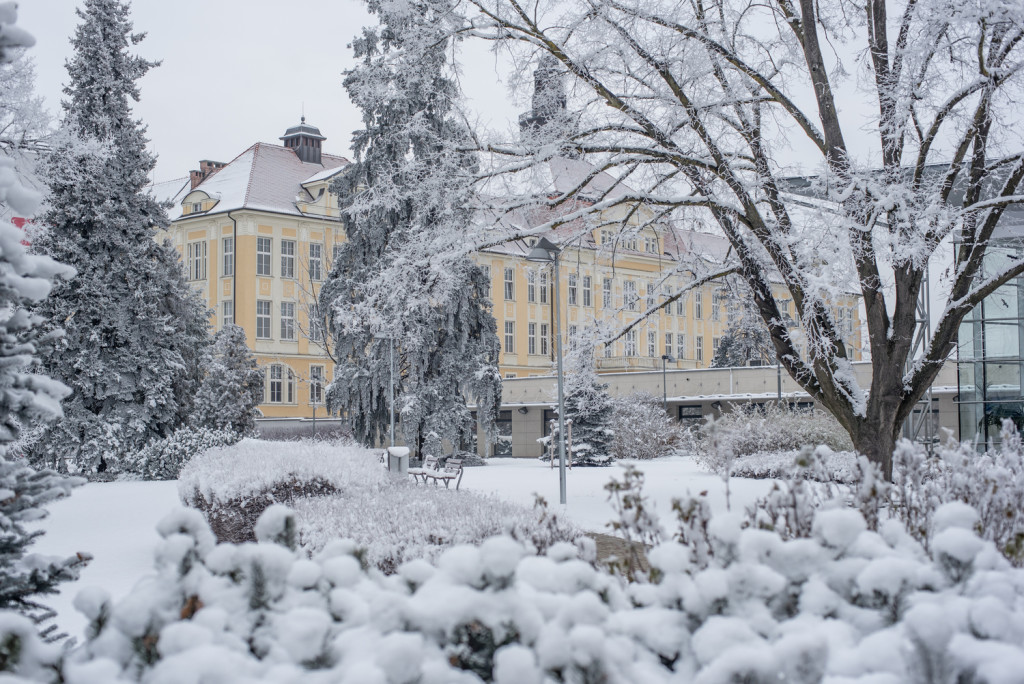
(286, 321)
(196, 253)
(539, 343)
(279, 385)
(580, 292)
(630, 242)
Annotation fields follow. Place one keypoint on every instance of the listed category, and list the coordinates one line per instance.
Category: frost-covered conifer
(135, 333)
(405, 205)
(590, 408)
(25, 397)
(747, 338)
(232, 386)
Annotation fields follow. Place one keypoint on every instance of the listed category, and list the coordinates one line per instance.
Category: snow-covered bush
(402, 521)
(991, 482)
(642, 428)
(341, 491)
(747, 430)
(163, 459)
(845, 604)
(840, 466)
(233, 485)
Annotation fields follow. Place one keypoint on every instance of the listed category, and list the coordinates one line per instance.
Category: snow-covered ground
(116, 522)
(516, 479)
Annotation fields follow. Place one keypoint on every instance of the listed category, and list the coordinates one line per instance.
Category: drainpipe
(234, 270)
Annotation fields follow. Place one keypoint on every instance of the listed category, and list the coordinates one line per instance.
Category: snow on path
(115, 522)
(517, 479)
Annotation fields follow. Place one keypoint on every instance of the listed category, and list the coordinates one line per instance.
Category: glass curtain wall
(989, 355)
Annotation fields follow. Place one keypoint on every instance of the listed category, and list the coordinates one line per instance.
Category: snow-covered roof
(323, 175)
(264, 177)
(567, 174)
(173, 190)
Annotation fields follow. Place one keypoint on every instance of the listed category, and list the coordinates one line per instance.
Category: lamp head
(543, 251)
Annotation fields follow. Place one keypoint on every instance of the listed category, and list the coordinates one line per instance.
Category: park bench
(429, 466)
(452, 470)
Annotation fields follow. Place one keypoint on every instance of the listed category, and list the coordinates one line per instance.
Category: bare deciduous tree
(695, 103)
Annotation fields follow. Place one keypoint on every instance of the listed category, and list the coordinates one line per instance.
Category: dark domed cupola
(305, 140)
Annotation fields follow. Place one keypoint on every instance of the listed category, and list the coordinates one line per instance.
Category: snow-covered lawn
(116, 522)
(517, 479)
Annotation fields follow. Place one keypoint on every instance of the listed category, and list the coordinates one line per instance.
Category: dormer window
(197, 207)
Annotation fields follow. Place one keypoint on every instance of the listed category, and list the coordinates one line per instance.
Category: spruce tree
(134, 331)
(232, 386)
(25, 396)
(397, 279)
(590, 408)
(747, 338)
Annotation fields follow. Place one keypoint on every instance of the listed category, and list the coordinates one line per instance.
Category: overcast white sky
(235, 72)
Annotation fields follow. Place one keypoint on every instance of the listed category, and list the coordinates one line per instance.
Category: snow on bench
(452, 470)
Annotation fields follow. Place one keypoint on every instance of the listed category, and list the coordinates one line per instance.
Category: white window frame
(316, 261)
(228, 247)
(264, 321)
(631, 343)
(573, 289)
(288, 321)
(264, 255)
(698, 351)
(276, 389)
(510, 337)
(317, 378)
(668, 345)
(588, 297)
(531, 285)
(680, 345)
(287, 258)
(544, 339)
(197, 260)
(531, 338)
(698, 305)
(629, 295)
(652, 343)
(510, 285)
(607, 299)
(716, 306)
(228, 313)
(543, 285)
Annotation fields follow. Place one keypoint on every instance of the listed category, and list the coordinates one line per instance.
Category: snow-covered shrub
(642, 428)
(991, 482)
(24, 493)
(747, 430)
(163, 459)
(845, 604)
(233, 485)
(840, 466)
(402, 521)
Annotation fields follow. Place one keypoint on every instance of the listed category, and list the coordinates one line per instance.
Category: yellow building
(257, 236)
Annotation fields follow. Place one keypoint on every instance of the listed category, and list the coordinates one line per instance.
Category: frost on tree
(403, 277)
(695, 105)
(747, 338)
(25, 396)
(589, 407)
(232, 386)
(134, 332)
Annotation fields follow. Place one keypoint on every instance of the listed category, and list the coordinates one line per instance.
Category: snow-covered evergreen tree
(590, 408)
(135, 332)
(747, 338)
(232, 386)
(406, 200)
(25, 125)
(25, 396)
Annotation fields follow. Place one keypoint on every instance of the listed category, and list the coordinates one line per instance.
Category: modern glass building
(990, 350)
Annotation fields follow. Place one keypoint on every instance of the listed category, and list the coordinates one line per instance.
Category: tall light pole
(544, 251)
(391, 374)
(665, 359)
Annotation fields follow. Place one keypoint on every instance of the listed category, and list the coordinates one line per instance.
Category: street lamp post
(391, 375)
(544, 251)
(665, 359)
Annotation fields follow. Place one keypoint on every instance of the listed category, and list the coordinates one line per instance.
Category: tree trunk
(875, 437)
